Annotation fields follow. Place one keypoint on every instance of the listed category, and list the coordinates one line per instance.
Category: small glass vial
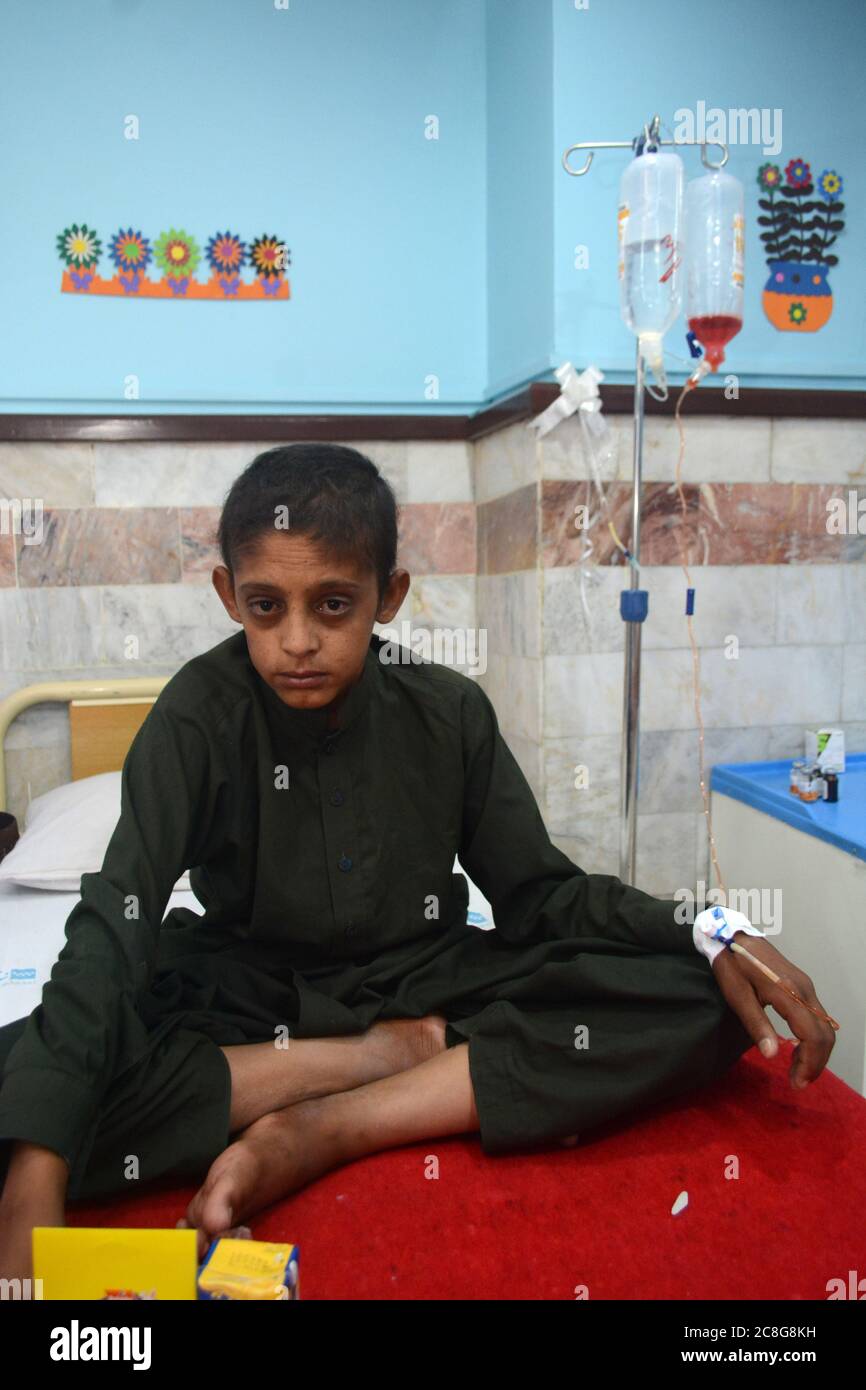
(831, 786)
(797, 767)
(812, 783)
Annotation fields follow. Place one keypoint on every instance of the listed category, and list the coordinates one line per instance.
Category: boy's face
(303, 609)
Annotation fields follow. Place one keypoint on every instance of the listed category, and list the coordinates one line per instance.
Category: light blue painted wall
(619, 62)
(306, 123)
(412, 258)
(520, 204)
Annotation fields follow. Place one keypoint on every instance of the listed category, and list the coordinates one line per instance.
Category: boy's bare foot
(274, 1156)
(289, 1148)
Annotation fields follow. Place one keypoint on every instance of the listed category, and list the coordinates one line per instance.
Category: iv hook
(650, 136)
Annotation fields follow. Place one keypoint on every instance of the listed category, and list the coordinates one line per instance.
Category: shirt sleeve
(86, 1030)
(535, 891)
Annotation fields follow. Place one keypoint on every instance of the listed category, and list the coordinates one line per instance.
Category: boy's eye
(265, 606)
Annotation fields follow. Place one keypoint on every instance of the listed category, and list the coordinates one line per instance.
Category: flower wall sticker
(799, 230)
(79, 249)
(131, 253)
(227, 255)
(270, 259)
(177, 256)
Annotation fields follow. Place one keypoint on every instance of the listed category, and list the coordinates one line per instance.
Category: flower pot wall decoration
(227, 255)
(799, 230)
(79, 249)
(270, 260)
(177, 255)
(131, 253)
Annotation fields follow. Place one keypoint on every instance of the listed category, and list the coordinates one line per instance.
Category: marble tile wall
(128, 546)
(779, 624)
(487, 531)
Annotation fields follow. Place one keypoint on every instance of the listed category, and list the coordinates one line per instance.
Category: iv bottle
(650, 252)
(715, 240)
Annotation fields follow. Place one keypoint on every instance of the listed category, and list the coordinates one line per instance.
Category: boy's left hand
(748, 991)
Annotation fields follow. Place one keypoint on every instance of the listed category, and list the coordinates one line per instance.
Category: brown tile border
(530, 400)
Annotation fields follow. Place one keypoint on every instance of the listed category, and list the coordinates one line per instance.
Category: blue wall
(306, 123)
(412, 258)
(520, 201)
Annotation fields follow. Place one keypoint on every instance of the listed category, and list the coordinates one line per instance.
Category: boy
(332, 1000)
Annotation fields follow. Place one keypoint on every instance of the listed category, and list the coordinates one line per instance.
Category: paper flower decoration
(769, 176)
(130, 251)
(79, 247)
(798, 173)
(177, 254)
(269, 256)
(226, 253)
(830, 186)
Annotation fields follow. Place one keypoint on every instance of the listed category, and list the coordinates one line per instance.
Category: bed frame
(104, 717)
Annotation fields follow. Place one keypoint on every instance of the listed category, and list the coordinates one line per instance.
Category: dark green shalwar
(324, 861)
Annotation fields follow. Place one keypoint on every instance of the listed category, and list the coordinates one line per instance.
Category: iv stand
(634, 601)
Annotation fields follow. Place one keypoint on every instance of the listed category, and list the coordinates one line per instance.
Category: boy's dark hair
(334, 495)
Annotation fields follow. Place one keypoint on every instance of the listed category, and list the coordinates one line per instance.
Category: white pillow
(66, 833)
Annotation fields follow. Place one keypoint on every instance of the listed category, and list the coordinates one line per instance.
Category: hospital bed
(638, 1209)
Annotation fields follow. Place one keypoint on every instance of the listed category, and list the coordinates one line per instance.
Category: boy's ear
(395, 591)
(222, 582)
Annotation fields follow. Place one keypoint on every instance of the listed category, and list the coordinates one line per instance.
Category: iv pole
(634, 601)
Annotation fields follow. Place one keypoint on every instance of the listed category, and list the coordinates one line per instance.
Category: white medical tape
(715, 926)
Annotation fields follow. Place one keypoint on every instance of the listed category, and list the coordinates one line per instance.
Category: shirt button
(345, 863)
(337, 798)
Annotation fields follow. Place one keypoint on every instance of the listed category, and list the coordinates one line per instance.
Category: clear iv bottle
(715, 239)
(650, 251)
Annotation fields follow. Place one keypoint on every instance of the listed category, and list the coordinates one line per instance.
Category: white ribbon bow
(575, 390)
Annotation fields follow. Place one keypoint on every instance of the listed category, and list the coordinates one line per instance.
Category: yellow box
(114, 1263)
(250, 1269)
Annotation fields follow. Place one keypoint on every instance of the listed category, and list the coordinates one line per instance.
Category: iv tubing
(690, 385)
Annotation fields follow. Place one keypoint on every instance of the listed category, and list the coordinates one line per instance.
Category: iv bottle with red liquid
(715, 243)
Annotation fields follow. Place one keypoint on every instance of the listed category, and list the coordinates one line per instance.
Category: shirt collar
(314, 723)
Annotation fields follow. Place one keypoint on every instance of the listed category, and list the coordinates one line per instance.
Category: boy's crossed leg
(266, 1078)
(288, 1148)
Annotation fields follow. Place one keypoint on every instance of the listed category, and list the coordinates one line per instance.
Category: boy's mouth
(301, 679)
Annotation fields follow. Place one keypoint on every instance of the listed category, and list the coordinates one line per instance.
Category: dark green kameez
(324, 861)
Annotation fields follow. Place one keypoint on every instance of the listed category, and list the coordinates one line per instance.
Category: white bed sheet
(32, 935)
(32, 923)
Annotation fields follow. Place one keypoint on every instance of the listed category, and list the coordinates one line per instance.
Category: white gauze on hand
(716, 925)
